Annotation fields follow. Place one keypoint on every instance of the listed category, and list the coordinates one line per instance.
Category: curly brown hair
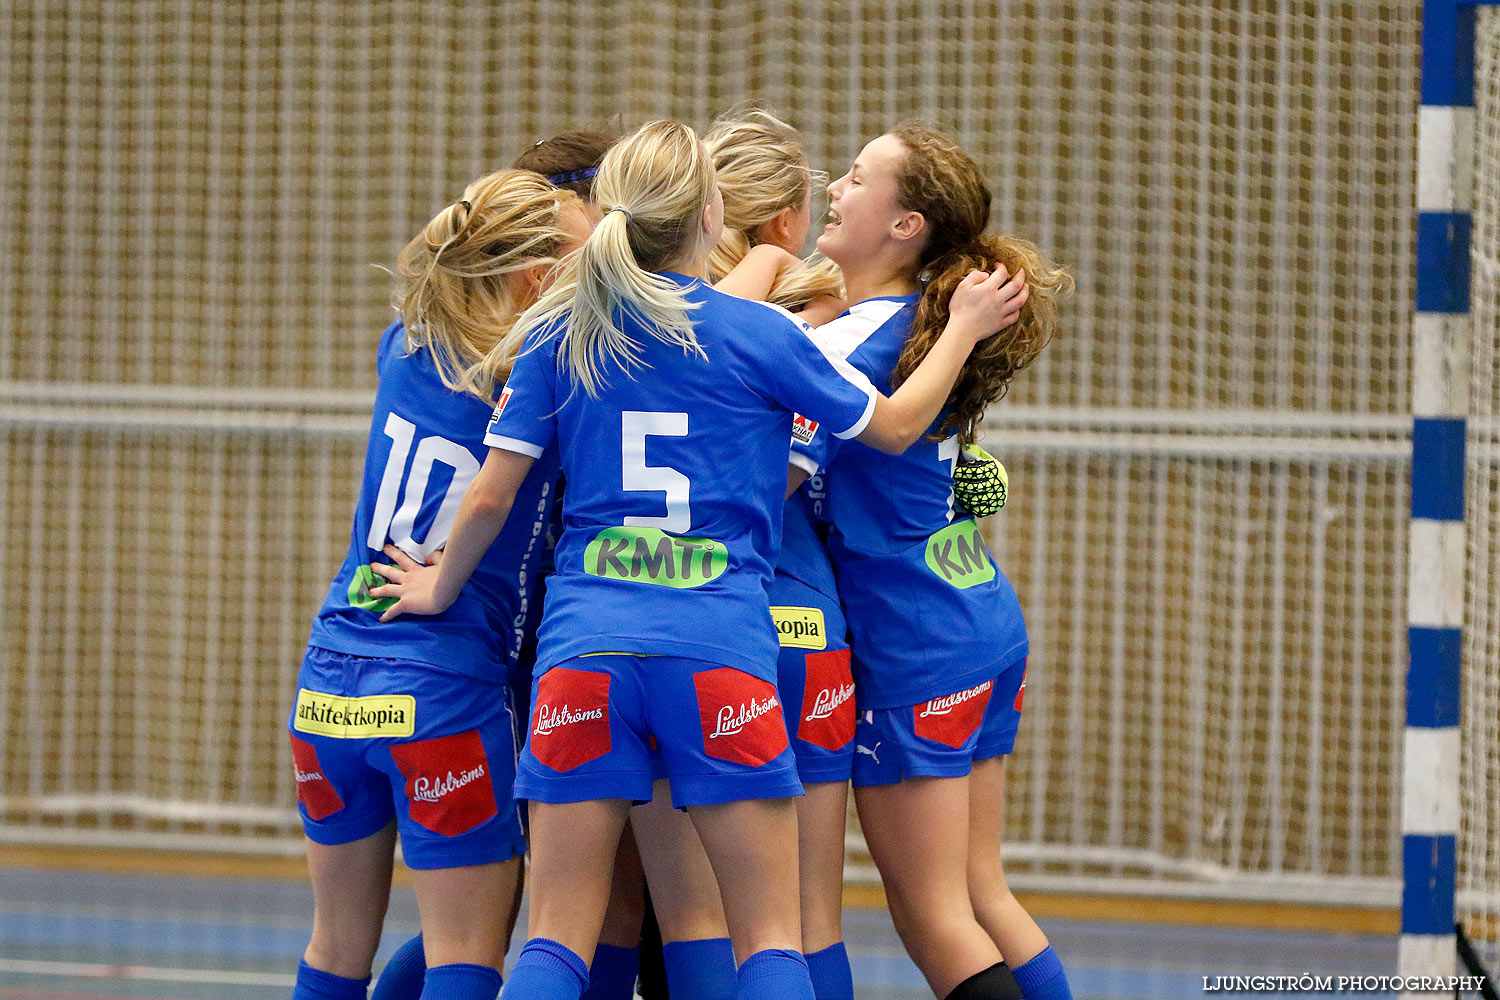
(941, 182)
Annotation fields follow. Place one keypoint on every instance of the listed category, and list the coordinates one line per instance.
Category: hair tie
(621, 208)
(583, 174)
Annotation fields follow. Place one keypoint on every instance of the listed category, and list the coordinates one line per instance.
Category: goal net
(1208, 523)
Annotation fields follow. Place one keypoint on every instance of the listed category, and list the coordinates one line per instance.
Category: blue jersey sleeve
(805, 375)
(525, 418)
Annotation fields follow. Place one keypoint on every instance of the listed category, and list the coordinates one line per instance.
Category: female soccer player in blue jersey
(939, 642)
(405, 726)
(672, 408)
(766, 184)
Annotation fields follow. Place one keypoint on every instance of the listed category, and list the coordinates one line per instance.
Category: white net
(1208, 527)
(1479, 837)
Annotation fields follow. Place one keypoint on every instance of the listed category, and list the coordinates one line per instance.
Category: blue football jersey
(676, 475)
(804, 532)
(426, 444)
(929, 612)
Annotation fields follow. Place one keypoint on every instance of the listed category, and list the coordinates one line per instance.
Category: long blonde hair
(653, 186)
(762, 170)
(451, 287)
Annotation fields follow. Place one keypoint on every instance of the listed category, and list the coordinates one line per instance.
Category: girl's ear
(909, 225)
(778, 228)
(529, 283)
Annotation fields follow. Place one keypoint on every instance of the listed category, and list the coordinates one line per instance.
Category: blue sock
(461, 981)
(1043, 978)
(546, 970)
(401, 979)
(315, 984)
(701, 970)
(775, 974)
(831, 976)
(612, 976)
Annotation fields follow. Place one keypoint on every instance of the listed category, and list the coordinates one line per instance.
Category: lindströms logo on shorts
(360, 584)
(800, 628)
(448, 787)
(804, 429)
(650, 555)
(314, 791)
(1021, 691)
(570, 720)
(957, 554)
(381, 715)
(827, 701)
(740, 716)
(953, 718)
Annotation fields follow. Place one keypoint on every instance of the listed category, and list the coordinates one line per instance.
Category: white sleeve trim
(514, 444)
(803, 462)
(864, 418)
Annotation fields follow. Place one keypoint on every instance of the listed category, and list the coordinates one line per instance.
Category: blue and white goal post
(1440, 402)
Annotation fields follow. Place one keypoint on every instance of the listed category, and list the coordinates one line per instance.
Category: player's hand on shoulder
(410, 582)
(986, 302)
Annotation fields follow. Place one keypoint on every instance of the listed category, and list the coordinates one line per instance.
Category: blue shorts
(376, 739)
(598, 720)
(814, 680)
(941, 738)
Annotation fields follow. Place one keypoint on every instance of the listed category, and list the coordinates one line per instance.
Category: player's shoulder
(740, 313)
(868, 325)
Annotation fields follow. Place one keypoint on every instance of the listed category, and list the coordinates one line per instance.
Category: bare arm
(982, 305)
(820, 309)
(753, 277)
(430, 590)
(795, 477)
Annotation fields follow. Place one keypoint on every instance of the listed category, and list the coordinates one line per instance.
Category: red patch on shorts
(448, 787)
(1021, 691)
(314, 791)
(570, 720)
(740, 715)
(827, 700)
(953, 718)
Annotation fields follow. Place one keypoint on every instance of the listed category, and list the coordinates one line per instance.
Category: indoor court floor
(80, 935)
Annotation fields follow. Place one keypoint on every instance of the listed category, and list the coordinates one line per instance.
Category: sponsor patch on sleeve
(804, 429)
(382, 715)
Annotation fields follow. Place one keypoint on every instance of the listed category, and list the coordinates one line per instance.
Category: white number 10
(398, 524)
(638, 477)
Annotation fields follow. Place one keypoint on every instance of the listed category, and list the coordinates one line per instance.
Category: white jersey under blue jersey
(676, 475)
(929, 612)
(426, 444)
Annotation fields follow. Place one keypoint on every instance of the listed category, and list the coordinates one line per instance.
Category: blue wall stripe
(1447, 53)
(1437, 468)
(1443, 261)
(1432, 681)
(1431, 868)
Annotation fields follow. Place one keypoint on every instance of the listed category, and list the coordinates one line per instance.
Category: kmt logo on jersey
(827, 701)
(953, 718)
(804, 429)
(390, 715)
(314, 791)
(801, 628)
(650, 555)
(359, 591)
(448, 787)
(570, 720)
(740, 715)
(957, 554)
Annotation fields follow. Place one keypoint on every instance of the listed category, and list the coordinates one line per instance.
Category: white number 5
(638, 477)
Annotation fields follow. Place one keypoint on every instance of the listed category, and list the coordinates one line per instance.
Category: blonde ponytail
(451, 280)
(653, 186)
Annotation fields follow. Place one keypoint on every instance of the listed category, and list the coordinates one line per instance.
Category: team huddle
(657, 554)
